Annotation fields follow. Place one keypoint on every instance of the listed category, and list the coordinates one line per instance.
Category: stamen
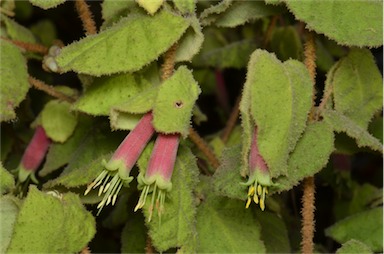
(256, 199)
(251, 190)
(248, 202)
(259, 190)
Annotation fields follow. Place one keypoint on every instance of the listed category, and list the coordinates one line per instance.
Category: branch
(308, 199)
(231, 121)
(86, 17)
(40, 85)
(169, 62)
(31, 47)
(204, 148)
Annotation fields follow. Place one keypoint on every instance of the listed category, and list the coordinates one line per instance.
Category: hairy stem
(85, 15)
(31, 47)
(40, 85)
(231, 121)
(86, 250)
(169, 62)
(204, 148)
(148, 247)
(308, 199)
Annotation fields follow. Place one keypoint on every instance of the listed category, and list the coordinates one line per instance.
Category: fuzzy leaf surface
(9, 209)
(191, 42)
(225, 226)
(16, 31)
(150, 6)
(354, 246)
(174, 103)
(134, 235)
(36, 230)
(46, 4)
(127, 46)
(311, 154)
(108, 91)
(277, 98)
(366, 227)
(7, 181)
(341, 123)
(185, 6)
(358, 22)
(14, 80)
(58, 122)
(177, 228)
(357, 85)
(286, 43)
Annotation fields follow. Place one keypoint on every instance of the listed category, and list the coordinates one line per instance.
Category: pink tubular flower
(259, 177)
(159, 172)
(118, 168)
(34, 155)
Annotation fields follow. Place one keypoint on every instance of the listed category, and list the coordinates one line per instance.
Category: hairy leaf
(57, 120)
(172, 110)
(9, 209)
(357, 86)
(354, 246)
(123, 121)
(310, 155)
(134, 235)
(358, 22)
(46, 4)
(108, 91)
(227, 179)
(225, 226)
(112, 11)
(366, 227)
(127, 46)
(45, 31)
(150, 6)
(185, 6)
(14, 80)
(16, 31)
(52, 223)
(177, 227)
(209, 15)
(276, 98)
(341, 123)
(191, 42)
(7, 181)
(285, 42)
(60, 154)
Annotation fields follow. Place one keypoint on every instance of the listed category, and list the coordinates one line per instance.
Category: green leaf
(185, 6)
(324, 59)
(286, 43)
(108, 91)
(112, 11)
(354, 246)
(177, 227)
(45, 30)
(127, 46)
(209, 15)
(134, 235)
(60, 154)
(241, 12)
(225, 226)
(191, 42)
(277, 98)
(311, 154)
(227, 178)
(51, 223)
(16, 31)
(7, 181)
(274, 233)
(341, 123)
(14, 80)
(124, 121)
(358, 22)
(232, 55)
(9, 209)
(366, 227)
(46, 4)
(357, 85)
(150, 6)
(172, 110)
(57, 120)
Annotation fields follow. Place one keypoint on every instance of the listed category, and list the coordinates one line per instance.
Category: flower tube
(157, 178)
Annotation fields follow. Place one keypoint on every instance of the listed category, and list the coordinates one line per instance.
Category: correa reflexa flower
(118, 168)
(34, 155)
(259, 177)
(157, 178)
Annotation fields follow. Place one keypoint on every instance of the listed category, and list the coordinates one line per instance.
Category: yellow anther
(251, 190)
(256, 199)
(248, 202)
(266, 190)
(262, 205)
(259, 190)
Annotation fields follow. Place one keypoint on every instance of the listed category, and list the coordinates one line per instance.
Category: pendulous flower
(34, 155)
(117, 169)
(157, 179)
(259, 178)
